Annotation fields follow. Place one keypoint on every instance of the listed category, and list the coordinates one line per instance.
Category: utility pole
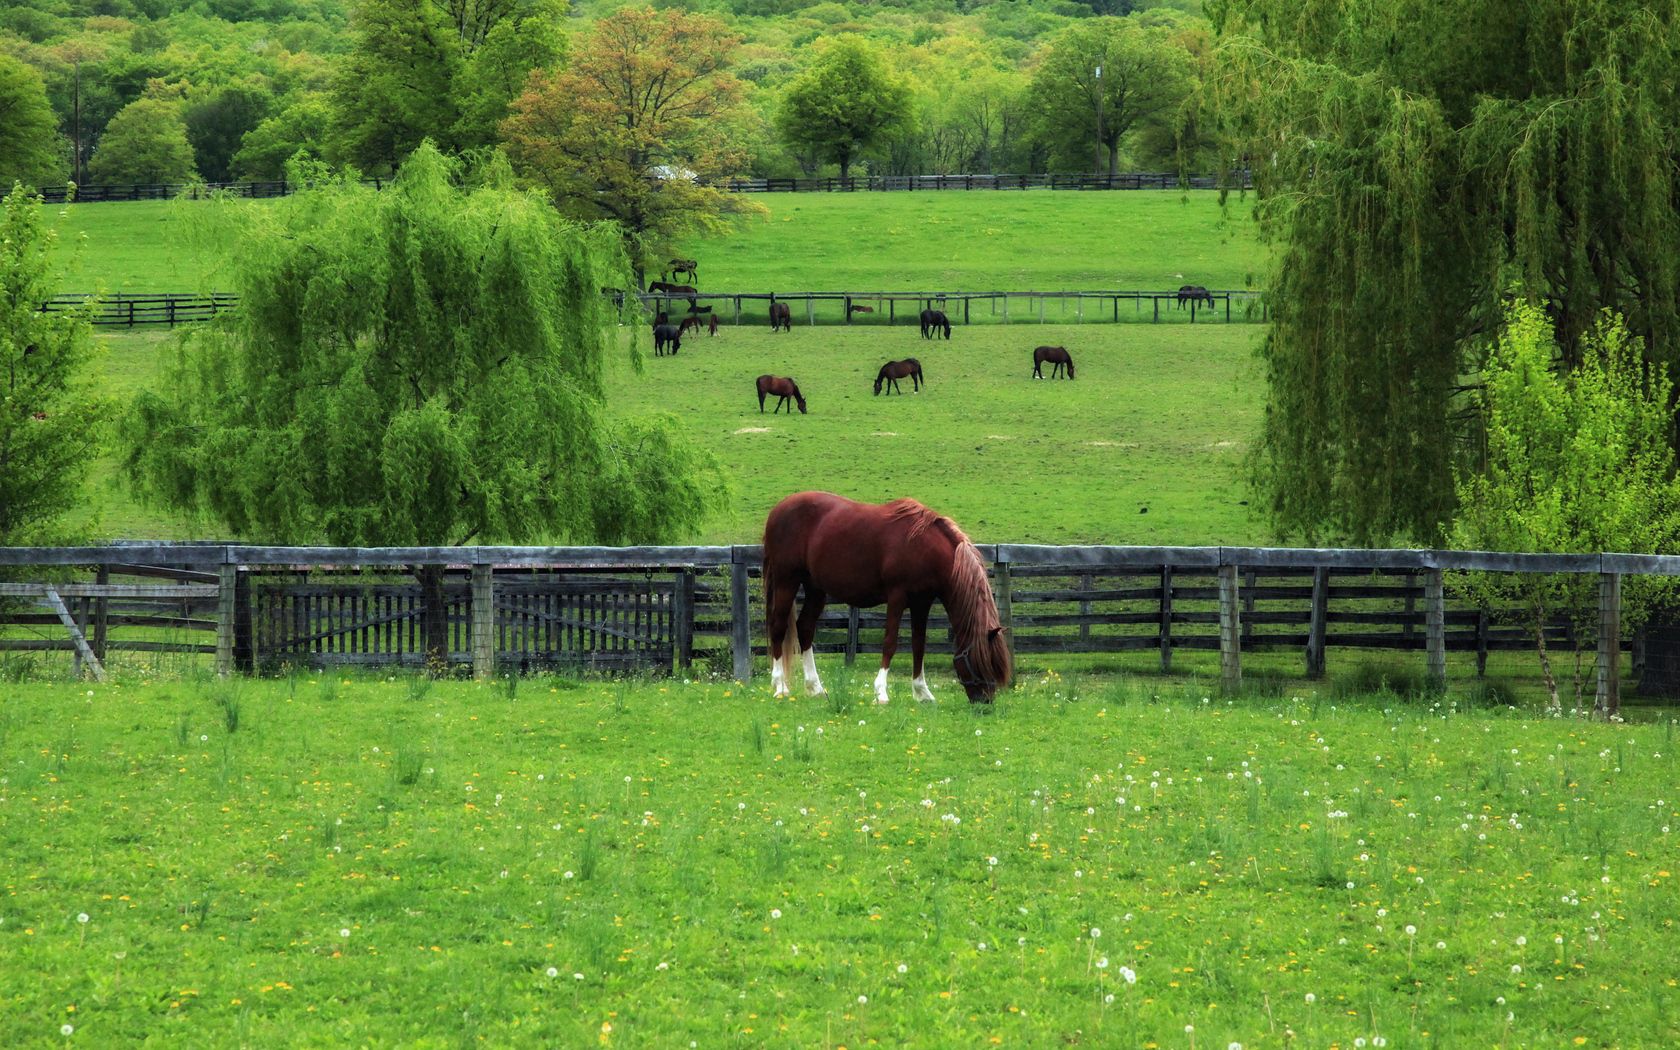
(1099, 168)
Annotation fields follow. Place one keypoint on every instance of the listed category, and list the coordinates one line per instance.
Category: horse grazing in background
(781, 316)
(664, 288)
(1057, 356)
(691, 321)
(784, 388)
(711, 325)
(933, 322)
(1193, 293)
(666, 335)
(893, 371)
(678, 267)
(859, 308)
(899, 553)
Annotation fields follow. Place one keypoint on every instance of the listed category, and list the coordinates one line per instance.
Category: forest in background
(219, 90)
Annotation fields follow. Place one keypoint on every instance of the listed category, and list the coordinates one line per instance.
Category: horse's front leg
(779, 614)
(889, 644)
(918, 648)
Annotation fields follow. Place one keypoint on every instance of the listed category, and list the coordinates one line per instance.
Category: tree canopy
(418, 366)
(1410, 180)
(633, 128)
(145, 142)
(29, 150)
(51, 425)
(843, 104)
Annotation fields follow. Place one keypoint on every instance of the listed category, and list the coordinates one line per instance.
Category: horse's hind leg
(807, 625)
(778, 606)
(889, 645)
(918, 648)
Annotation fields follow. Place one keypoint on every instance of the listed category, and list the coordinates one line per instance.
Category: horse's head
(878, 381)
(983, 672)
(797, 396)
(1070, 367)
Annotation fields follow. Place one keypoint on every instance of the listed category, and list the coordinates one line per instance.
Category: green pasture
(1097, 861)
(1144, 446)
(947, 241)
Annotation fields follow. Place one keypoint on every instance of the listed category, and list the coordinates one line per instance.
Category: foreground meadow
(1109, 862)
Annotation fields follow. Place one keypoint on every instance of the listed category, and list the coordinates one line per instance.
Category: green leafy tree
(217, 122)
(418, 366)
(1577, 462)
(1100, 82)
(51, 425)
(299, 127)
(145, 142)
(843, 104)
(496, 71)
(1406, 178)
(635, 127)
(29, 144)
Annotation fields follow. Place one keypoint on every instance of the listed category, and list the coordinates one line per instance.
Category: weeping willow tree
(1415, 162)
(422, 365)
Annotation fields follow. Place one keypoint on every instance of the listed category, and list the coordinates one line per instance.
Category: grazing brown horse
(691, 321)
(859, 308)
(783, 388)
(899, 553)
(893, 371)
(1057, 356)
(934, 322)
(711, 325)
(666, 335)
(664, 288)
(1193, 293)
(677, 267)
(781, 316)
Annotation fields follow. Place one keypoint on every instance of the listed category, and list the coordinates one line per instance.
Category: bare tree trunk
(1545, 660)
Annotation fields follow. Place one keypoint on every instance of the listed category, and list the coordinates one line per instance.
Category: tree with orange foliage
(634, 130)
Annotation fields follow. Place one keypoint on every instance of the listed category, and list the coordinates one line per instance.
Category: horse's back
(855, 552)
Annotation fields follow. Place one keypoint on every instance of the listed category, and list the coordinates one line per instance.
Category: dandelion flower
(553, 971)
(82, 917)
(1095, 933)
(1128, 975)
(863, 1000)
(775, 913)
(67, 1029)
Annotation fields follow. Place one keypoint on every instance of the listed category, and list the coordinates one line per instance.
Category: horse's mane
(968, 593)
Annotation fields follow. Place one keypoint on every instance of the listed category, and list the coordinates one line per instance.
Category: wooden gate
(545, 620)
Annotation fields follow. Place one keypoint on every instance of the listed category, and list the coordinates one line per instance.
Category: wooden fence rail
(861, 308)
(663, 607)
(861, 183)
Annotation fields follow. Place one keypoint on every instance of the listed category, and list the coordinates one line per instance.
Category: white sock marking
(881, 686)
(778, 677)
(813, 684)
(919, 689)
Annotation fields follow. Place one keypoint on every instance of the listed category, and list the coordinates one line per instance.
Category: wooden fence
(657, 608)
(150, 191)
(813, 308)
(165, 308)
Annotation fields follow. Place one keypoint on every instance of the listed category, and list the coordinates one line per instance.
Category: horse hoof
(880, 701)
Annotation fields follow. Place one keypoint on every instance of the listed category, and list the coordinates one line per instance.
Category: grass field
(1102, 862)
(969, 241)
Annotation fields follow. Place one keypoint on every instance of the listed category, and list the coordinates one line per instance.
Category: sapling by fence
(1575, 462)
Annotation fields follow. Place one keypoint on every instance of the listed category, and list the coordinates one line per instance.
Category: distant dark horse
(678, 267)
(666, 335)
(781, 316)
(901, 554)
(691, 321)
(663, 288)
(1057, 356)
(711, 325)
(1193, 293)
(784, 388)
(933, 322)
(893, 371)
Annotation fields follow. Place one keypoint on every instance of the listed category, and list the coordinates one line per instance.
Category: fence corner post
(1005, 599)
(1435, 627)
(1607, 702)
(1166, 618)
(1230, 629)
(740, 627)
(225, 607)
(483, 622)
(1316, 621)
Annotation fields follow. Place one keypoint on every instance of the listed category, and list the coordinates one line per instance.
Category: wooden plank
(82, 648)
(1607, 699)
(741, 633)
(1317, 617)
(1165, 637)
(225, 619)
(108, 590)
(46, 645)
(483, 622)
(682, 611)
(1435, 627)
(1230, 629)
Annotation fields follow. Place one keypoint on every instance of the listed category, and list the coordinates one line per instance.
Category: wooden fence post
(1316, 622)
(102, 617)
(483, 622)
(1006, 601)
(1230, 629)
(1608, 700)
(1435, 627)
(682, 612)
(739, 628)
(1166, 618)
(852, 640)
(225, 605)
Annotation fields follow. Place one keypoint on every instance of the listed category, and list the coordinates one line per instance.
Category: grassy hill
(1144, 447)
